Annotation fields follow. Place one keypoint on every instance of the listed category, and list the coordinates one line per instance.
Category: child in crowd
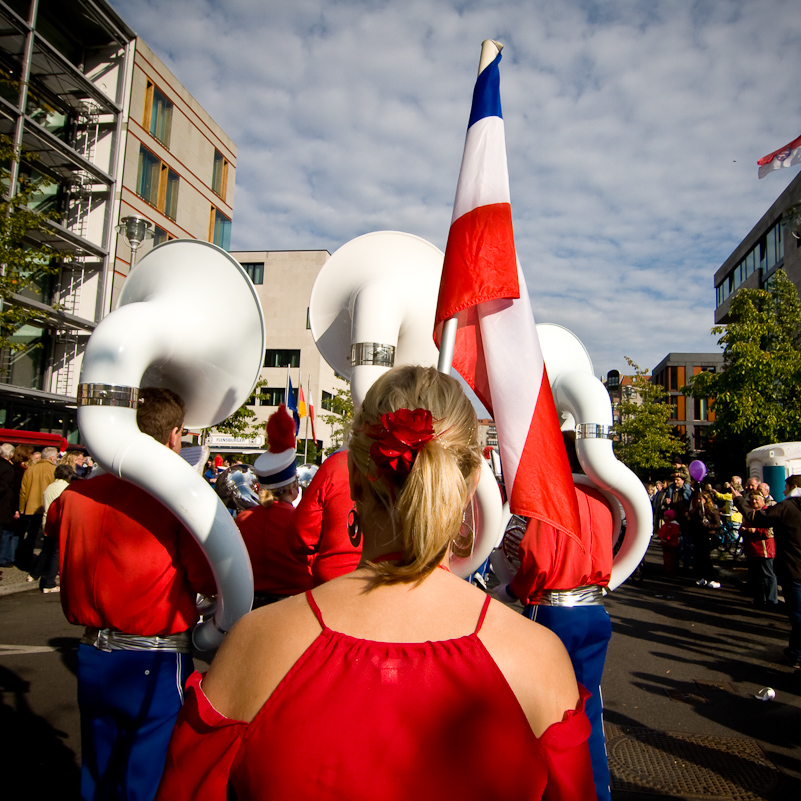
(669, 535)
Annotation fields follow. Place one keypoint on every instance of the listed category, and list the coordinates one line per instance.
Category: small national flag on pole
(497, 350)
(787, 156)
(301, 403)
(292, 404)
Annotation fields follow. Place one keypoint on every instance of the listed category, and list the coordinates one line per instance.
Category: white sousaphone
(372, 307)
(584, 407)
(161, 334)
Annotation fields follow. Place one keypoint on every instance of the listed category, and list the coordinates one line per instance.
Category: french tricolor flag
(787, 156)
(497, 350)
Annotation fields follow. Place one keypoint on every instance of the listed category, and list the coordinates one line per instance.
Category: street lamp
(135, 230)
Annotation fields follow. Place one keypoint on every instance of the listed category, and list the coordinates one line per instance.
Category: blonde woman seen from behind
(400, 679)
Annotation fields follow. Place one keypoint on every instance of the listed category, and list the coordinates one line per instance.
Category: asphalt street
(682, 721)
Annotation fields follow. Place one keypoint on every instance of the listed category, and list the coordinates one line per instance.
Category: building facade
(95, 113)
(284, 281)
(691, 417)
(771, 244)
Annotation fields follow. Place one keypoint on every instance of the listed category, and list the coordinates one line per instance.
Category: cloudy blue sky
(632, 127)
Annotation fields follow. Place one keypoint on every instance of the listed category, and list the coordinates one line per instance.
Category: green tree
(307, 450)
(23, 259)
(646, 441)
(756, 397)
(341, 408)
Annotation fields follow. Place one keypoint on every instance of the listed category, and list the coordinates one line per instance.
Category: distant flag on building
(787, 156)
(292, 404)
(301, 403)
(497, 350)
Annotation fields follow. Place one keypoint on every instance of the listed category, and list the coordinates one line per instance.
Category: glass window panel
(219, 174)
(222, 230)
(281, 358)
(779, 228)
(171, 195)
(271, 396)
(24, 367)
(255, 271)
(147, 180)
(161, 117)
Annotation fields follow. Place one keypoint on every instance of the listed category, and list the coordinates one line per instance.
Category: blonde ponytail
(425, 507)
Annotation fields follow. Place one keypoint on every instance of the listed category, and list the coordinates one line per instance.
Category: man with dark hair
(785, 520)
(130, 572)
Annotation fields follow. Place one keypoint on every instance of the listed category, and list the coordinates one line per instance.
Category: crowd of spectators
(30, 481)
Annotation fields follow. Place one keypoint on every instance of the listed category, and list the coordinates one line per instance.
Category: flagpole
(306, 438)
(489, 50)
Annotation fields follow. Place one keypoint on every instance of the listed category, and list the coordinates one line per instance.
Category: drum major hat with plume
(276, 467)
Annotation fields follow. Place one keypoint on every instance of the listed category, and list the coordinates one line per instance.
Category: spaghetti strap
(316, 609)
(483, 614)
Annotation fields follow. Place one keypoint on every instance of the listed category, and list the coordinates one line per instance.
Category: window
(674, 406)
(158, 114)
(701, 409)
(219, 176)
(673, 373)
(157, 183)
(147, 180)
(255, 271)
(170, 183)
(270, 396)
(273, 396)
(327, 401)
(281, 358)
(159, 235)
(220, 229)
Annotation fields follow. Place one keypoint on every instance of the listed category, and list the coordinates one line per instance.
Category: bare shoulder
(534, 662)
(256, 654)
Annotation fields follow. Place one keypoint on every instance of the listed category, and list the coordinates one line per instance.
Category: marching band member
(129, 573)
(279, 568)
(560, 582)
(399, 679)
(321, 521)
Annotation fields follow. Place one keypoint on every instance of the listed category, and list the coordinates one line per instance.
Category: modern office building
(620, 388)
(284, 281)
(96, 113)
(771, 244)
(690, 416)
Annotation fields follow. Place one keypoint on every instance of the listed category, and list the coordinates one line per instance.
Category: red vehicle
(37, 439)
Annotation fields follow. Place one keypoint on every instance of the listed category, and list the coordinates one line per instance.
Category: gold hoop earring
(354, 531)
(462, 544)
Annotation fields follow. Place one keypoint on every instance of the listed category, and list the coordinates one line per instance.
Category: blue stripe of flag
(487, 93)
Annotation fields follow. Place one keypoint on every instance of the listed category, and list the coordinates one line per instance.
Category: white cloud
(633, 130)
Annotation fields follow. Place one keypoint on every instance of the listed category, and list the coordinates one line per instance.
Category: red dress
(358, 719)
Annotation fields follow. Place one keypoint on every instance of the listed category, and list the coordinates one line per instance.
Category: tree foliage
(339, 419)
(23, 261)
(757, 395)
(646, 441)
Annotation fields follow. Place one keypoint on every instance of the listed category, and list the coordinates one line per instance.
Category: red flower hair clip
(399, 438)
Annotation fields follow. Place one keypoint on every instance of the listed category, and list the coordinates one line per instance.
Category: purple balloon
(697, 470)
